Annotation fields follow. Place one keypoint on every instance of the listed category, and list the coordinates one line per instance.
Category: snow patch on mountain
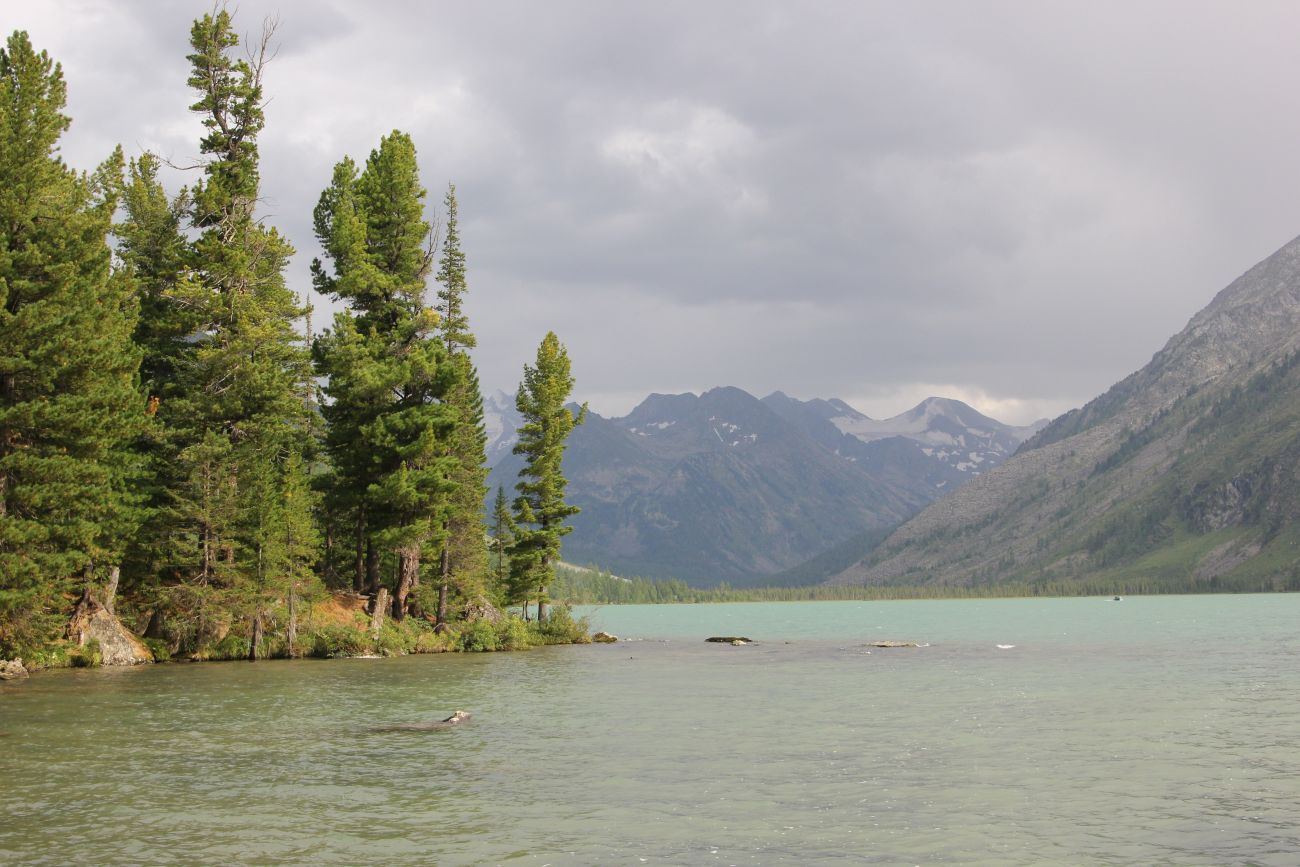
(501, 423)
(947, 430)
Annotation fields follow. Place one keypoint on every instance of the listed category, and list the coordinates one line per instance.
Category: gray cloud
(1015, 203)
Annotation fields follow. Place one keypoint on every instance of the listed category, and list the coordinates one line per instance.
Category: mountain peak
(843, 408)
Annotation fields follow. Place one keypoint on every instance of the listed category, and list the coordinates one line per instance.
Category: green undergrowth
(412, 635)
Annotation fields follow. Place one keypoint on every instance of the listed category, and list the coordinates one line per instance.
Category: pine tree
(287, 545)
(503, 536)
(388, 373)
(540, 509)
(463, 562)
(454, 327)
(240, 411)
(152, 245)
(68, 406)
(154, 251)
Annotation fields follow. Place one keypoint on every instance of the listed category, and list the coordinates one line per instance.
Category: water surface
(1155, 730)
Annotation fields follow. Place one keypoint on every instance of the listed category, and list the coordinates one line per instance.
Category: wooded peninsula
(181, 460)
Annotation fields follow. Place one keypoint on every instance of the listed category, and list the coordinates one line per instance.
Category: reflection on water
(1159, 730)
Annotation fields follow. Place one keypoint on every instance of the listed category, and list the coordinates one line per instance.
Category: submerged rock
(729, 639)
(458, 717)
(739, 642)
(604, 638)
(12, 669)
(893, 644)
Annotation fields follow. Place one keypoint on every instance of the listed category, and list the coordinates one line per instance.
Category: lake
(1148, 731)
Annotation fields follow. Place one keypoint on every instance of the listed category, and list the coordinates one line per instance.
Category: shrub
(561, 628)
(230, 647)
(161, 652)
(478, 636)
(336, 641)
(395, 640)
(512, 634)
(429, 641)
(87, 656)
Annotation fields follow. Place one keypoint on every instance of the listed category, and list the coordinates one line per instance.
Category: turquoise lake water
(1156, 730)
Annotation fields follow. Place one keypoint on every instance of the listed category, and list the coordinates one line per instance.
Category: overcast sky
(1014, 204)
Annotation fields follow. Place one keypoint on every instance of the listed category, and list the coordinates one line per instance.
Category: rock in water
(739, 642)
(894, 644)
(728, 639)
(458, 717)
(604, 638)
(12, 669)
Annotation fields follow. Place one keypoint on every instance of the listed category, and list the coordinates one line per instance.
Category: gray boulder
(12, 669)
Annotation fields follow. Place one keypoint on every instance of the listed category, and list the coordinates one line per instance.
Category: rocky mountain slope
(1183, 475)
(725, 487)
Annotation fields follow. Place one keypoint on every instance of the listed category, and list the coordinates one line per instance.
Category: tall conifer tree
(68, 406)
(540, 508)
(503, 537)
(463, 563)
(152, 246)
(240, 414)
(388, 371)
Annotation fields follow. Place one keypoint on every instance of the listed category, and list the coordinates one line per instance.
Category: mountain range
(723, 486)
(1184, 475)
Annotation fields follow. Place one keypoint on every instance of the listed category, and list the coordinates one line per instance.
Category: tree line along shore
(184, 470)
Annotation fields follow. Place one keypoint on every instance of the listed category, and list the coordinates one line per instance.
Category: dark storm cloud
(1013, 203)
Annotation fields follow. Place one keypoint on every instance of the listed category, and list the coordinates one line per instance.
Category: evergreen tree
(463, 563)
(540, 509)
(388, 373)
(454, 327)
(153, 249)
(287, 544)
(240, 412)
(68, 406)
(503, 536)
(152, 245)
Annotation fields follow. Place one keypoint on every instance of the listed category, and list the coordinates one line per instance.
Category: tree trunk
(209, 552)
(408, 568)
(444, 568)
(377, 613)
(85, 605)
(9, 393)
(256, 639)
(359, 562)
(524, 606)
(372, 567)
(291, 634)
(542, 609)
(110, 592)
(325, 563)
